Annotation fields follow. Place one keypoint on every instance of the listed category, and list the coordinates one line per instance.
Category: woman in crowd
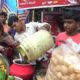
(71, 20)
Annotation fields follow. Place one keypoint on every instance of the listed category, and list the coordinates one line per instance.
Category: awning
(30, 4)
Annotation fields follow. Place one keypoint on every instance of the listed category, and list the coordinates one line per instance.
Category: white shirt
(30, 29)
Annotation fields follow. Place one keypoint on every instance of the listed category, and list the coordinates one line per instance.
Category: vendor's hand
(11, 42)
(2, 49)
(18, 43)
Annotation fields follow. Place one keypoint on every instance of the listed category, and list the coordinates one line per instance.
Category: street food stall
(27, 67)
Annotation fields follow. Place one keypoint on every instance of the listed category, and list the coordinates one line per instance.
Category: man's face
(70, 25)
(19, 26)
(3, 18)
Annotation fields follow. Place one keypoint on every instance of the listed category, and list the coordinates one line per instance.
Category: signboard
(29, 4)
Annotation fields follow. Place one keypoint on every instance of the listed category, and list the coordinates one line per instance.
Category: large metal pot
(36, 45)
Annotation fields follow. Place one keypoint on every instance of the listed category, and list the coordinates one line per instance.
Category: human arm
(10, 41)
(2, 49)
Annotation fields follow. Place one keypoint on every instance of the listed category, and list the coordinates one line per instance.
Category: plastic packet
(64, 64)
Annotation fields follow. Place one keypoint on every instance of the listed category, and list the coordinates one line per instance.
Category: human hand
(2, 49)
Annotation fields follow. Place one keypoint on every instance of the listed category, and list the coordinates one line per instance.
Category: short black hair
(71, 14)
(12, 19)
(3, 13)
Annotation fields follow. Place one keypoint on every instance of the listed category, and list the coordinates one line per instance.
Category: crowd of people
(13, 30)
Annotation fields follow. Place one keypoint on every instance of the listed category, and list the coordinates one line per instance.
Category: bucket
(36, 45)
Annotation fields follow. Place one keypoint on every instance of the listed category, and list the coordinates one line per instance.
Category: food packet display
(64, 64)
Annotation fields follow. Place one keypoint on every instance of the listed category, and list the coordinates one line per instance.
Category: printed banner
(29, 4)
